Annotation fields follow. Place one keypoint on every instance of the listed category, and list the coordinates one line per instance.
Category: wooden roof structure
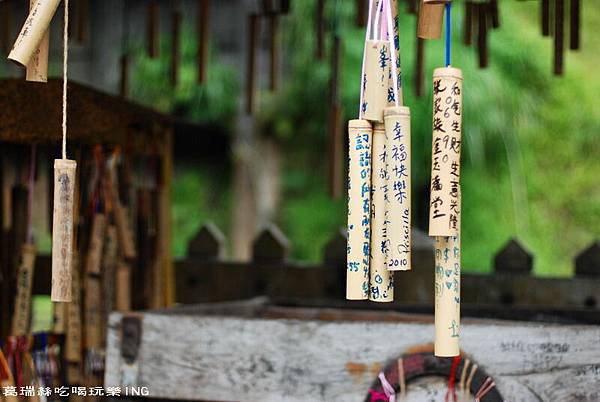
(32, 113)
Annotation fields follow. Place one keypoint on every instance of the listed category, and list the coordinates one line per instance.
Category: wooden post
(559, 39)
(251, 62)
(203, 29)
(575, 22)
(153, 29)
(587, 263)
(175, 44)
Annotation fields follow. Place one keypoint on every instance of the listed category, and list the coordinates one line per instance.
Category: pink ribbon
(390, 392)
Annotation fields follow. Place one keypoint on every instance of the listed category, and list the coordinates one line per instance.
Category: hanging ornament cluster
(379, 166)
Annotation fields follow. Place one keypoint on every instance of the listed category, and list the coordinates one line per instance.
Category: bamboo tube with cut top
(37, 69)
(359, 209)
(446, 145)
(431, 16)
(381, 281)
(62, 229)
(397, 127)
(33, 31)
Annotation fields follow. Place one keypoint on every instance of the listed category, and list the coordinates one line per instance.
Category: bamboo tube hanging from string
(482, 35)
(37, 69)
(381, 281)
(394, 36)
(468, 23)
(429, 24)
(203, 30)
(445, 168)
(359, 209)
(64, 187)
(153, 29)
(447, 293)
(33, 31)
(545, 17)
(123, 287)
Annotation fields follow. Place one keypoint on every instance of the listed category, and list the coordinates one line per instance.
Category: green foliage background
(530, 140)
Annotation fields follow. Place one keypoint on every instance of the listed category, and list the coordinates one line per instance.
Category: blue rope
(447, 34)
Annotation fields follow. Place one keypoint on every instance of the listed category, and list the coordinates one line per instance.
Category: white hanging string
(390, 33)
(65, 63)
(362, 74)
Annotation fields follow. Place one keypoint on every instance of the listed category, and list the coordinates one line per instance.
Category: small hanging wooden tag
(62, 229)
(33, 31)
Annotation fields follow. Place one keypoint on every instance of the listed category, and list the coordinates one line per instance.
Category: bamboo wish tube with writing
(37, 69)
(376, 80)
(33, 31)
(62, 229)
(22, 315)
(445, 158)
(397, 128)
(429, 24)
(381, 281)
(359, 209)
(396, 42)
(447, 294)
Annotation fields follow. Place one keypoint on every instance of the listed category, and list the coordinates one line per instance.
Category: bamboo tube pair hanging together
(379, 168)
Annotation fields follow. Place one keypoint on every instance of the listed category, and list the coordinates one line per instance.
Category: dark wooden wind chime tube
(175, 43)
(482, 35)
(203, 31)
(336, 152)
(468, 23)
(494, 10)
(361, 13)
(253, 21)
(545, 17)
(82, 14)
(575, 25)
(320, 28)
(559, 36)
(273, 51)
(153, 29)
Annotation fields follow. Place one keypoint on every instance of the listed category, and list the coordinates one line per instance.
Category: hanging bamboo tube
(494, 13)
(396, 41)
(359, 209)
(96, 244)
(251, 63)
(203, 30)
(559, 36)
(482, 40)
(62, 229)
(37, 69)
(33, 31)
(153, 29)
(445, 164)
(545, 16)
(447, 293)
(397, 127)
(381, 281)
(574, 24)
(22, 314)
(175, 45)
(429, 25)
(376, 80)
